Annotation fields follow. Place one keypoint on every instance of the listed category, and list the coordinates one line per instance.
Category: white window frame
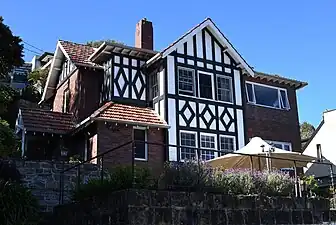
(66, 100)
(281, 143)
(212, 85)
(146, 145)
(196, 146)
(178, 81)
(231, 87)
(201, 148)
(269, 86)
(227, 136)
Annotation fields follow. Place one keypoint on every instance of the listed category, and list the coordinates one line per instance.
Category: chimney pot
(144, 34)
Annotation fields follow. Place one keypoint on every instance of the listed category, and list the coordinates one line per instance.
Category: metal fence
(197, 154)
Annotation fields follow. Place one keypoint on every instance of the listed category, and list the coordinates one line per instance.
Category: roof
(129, 114)
(217, 33)
(313, 135)
(279, 79)
(107, 48)
(78, 53)
(39, 120)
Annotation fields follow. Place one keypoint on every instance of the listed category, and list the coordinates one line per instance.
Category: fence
(194, 153)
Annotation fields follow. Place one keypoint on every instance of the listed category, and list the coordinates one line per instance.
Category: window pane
(140, 147)
(207, 142)
(249, 92)
(278, 146)
(224, 89)
(266, 96)
(155, 86)
(205, 86)
(188, 140)
(186, 81)
(284, 99)
(286, 147)
(226, 145)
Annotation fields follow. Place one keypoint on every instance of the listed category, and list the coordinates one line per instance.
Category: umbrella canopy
(247, 157)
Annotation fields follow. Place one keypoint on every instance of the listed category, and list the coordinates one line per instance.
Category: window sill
(265, 106)
(207, 99)
(140, 159)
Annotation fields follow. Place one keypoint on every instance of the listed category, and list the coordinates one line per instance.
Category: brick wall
(274, 124)
(84, 86)
(112, 135)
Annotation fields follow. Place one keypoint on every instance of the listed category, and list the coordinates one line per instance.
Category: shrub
(279, 184)
(9, 172)
(18, 205)
(117, 179)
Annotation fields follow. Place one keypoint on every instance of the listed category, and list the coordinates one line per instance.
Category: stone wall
(43, 179)
(144, 207)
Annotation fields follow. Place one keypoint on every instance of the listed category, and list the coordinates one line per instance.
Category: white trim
(215, 139)
(212, 85)
(178, 81)
(196, 146)
(146, 145)
(231, 87)
(281, 143)
(271, 87)
(228, 136)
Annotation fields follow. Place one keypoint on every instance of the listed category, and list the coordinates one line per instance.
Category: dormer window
(268, 96)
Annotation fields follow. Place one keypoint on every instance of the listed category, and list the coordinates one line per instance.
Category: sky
(295, 39)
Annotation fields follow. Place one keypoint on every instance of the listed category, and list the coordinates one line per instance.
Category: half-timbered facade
(194, 94)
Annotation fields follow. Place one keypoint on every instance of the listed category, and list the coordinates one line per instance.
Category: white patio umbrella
(255, 154)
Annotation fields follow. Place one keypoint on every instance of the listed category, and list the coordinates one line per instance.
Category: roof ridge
(101, 109)
(45, 110)
(76, 43)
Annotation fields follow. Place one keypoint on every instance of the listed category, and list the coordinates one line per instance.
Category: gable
(206, 41)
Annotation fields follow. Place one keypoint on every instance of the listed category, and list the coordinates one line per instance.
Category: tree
(38, 79)
(10, 50)
(306, 130)
(8, 142)
(7, 96)
(96, 44)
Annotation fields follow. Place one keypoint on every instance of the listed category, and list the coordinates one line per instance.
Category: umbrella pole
(295, 177)
(251, 162)
(259, 163)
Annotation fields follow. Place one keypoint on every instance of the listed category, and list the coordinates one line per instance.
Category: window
(267, 96)
(208, 142)
(227, 144)
(188, 139)
(282, 145)
(205, 85)
(319, 152)
(155, 85)
(224, 88)
(186, 78)
(66, 101)
(140, 138)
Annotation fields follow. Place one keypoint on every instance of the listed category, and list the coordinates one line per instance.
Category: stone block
(179, 199)
(283, 217)
(139, 197)
(203, 217)
(297, 217)
(180, 216)
(307, 217)
(159, 198)
(140, 216)
(162, 216)
(218, 217)
(245, 202)
(235, 216)
(283, 203)
(267, 216)
(252, 217)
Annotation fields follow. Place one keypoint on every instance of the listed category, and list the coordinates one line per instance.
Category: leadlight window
(208, 142)
(140, 138)
(224, 89)
(205, 85)
(268, 96)
(188, 145)
(186, 78)
(227, 145)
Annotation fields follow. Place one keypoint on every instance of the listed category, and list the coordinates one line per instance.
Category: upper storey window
(186, 79)
(268, 96)
(205, 85)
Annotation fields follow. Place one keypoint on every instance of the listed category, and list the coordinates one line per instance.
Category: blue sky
(295, 39)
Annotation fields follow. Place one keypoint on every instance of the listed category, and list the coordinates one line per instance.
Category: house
(18, 77)
(321, 146)
(198, 92)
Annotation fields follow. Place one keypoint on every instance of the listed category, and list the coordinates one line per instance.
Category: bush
(8, 142)
(117, 179)
(18, 205)
(9, 172)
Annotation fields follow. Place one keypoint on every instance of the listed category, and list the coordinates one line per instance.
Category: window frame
(181, 146)
(283, 143)
(220, 142)
(178, 81)
(205, 148)
(66, 101)
(146, 144)
(231, 87)
(212, 85)
(268, 86)
(155, 75)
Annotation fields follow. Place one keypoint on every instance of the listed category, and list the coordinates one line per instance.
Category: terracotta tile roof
(78, 53)
(40, 120)
(129, 114)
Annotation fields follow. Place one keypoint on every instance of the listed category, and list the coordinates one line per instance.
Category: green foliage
(10, 50)
(117, 179)
(38, 79)
(96, 44)
(306, 130)
(7, 96)
(8, 142)
(9, 172)
(18, 205)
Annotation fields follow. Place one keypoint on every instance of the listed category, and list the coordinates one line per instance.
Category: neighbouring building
(199, 92)
(18, 77)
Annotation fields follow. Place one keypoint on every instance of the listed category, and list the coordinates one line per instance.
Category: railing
(100, 158)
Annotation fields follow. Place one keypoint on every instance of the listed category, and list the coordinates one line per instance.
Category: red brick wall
(84, 86)
(116, 135)
(274, 124)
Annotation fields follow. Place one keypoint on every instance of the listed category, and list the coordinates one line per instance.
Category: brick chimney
(144, 34)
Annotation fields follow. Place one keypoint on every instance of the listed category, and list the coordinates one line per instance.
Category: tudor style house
(198, 92)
